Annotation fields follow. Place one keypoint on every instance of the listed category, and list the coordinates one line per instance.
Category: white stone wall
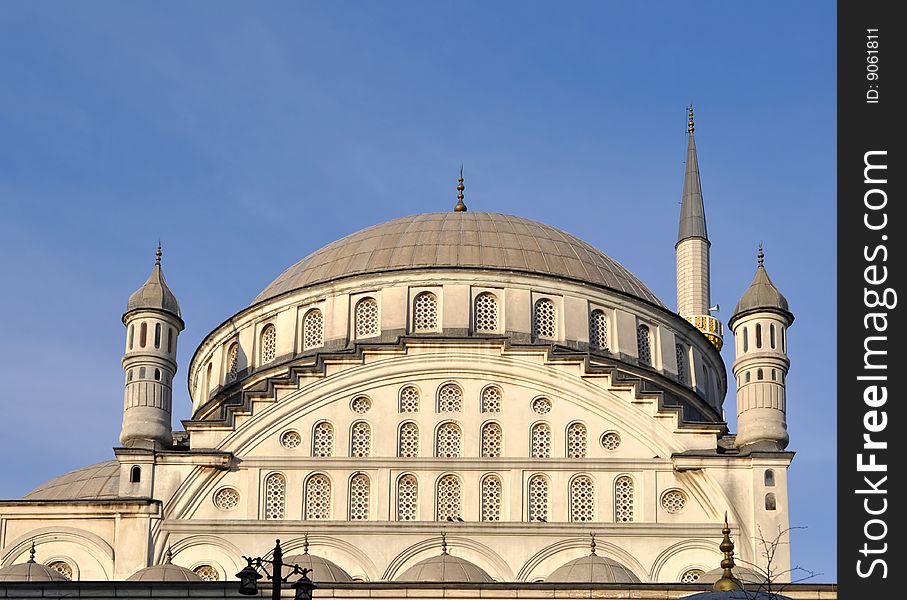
(693, 277)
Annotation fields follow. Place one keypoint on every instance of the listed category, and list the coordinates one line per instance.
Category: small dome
(323, 570)
(101, 480)
(30, 571)
(164, 572)
(460, 240)
(593, 569)
(746, 576)
(445, 568)
(154, 295)
(761, 295)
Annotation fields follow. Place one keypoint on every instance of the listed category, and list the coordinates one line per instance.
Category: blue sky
(246, 135)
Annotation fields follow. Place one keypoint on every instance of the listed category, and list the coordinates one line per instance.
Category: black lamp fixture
(249, 576)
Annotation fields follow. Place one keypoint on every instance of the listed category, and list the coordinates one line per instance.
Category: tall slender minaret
(692, 250)
(153, 323)
(760, 322)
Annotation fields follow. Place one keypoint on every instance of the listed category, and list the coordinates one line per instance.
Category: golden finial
(760, 256)
(727, 582)
(460, 207)
(690, 125)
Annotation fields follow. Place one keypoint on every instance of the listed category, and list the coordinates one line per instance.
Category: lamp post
(249, 576)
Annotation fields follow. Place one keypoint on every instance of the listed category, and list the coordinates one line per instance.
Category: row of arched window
(317, 498)
(143, 341)
(448, 442)
(775, 340)
(775, 374)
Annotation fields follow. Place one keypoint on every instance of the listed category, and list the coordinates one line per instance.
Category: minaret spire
(692, 211)
(460, 207)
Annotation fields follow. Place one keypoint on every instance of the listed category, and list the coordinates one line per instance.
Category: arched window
(769, 478)
(491, 399)
(208, 373)
(783, 340)
(746, 339)
(407, 498)
(545, 319)
(485, 313)
(582, 499)
(682, 374)
(758, 335)
(135, 474)
(492, 492)
(157, 335)
(207, 573)
(323, 439)
(540, 441)
(409, 399)
(143, 334)
(773, 374)
(770, 502)
(747, 376)
(771, 335)
(275, 496)
(360, 440)
(759, 374)
(317, 498)
(169, 340)
(623, 499)
(268, 344)
(408, 445)
(131, 335)
(359, 497)
(425, 312)
(448, 443)
(538, 498)
(157, 374)
(644, 344)
(142, 372)
(450, 398)
(449, 498)
(491, 440)
(313, 329)
(232, 361)
(576, 440)
(691, 575)
(129, 375)
(367, 318)
(598, 330)
(62, 567)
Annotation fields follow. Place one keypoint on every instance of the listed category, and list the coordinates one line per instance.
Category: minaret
(692, 250)
(760, 322)
(153, 323)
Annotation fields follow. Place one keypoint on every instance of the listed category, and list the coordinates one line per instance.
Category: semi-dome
(322, 570)
(155, 294)
(593, 569)
(101, 480)
(445, 568)
(470, 240)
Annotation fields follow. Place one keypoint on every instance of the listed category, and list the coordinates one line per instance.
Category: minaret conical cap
(154, 294)
(692, 210)
(762, 295)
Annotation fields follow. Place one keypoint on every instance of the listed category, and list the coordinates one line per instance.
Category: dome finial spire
(443, 543)
(168, 555)
(31, 553)
(592, 543)
(158, 254)
(460, 207)
(760, 256)
(727, 582)
(305, 543)
(691, 126)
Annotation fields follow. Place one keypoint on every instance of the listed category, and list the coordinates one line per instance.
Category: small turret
(153, 323)
(760, 322)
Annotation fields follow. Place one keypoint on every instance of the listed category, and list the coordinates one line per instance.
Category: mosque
(446, 399)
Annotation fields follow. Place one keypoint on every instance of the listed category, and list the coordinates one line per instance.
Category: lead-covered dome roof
(445, 567)
(593, 569)
(471, 240)
(101, 480)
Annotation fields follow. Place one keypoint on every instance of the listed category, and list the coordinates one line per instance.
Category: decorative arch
(94, 545)
(566, 547)
(349, 557)
(476, 552)
(695, 544)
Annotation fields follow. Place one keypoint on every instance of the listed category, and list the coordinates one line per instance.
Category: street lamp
(249, 576)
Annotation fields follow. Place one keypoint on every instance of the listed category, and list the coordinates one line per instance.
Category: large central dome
(473, 240)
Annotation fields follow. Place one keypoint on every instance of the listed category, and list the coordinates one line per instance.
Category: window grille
(540, 441)
(226, 498)
(313, 329)
(425, 312)
(491, 399)
(268, 344)
(207, 573)
(610, 440)
(360, 440)
(491, 440)
(545, 319)
(409, 399)
(323, 439)
(673, 501)
(407, 498)
(359, 497)
(644, 344)
(360, 405)
(623, 499)
(598, 330)
(408, 446)
(448, 444)
(485, 313)
(682, 374)
(450, 398)
(541, 406)
(61, 567)
(318, 498)
(275, 496)
(582, 499)
(449, 498)
(290, 439)
(367, 318)
(492, 492)
(538, 498)
(232, 360)
(576, 440)
(691, 575)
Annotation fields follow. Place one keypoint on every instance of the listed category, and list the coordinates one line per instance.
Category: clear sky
(246, 135)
